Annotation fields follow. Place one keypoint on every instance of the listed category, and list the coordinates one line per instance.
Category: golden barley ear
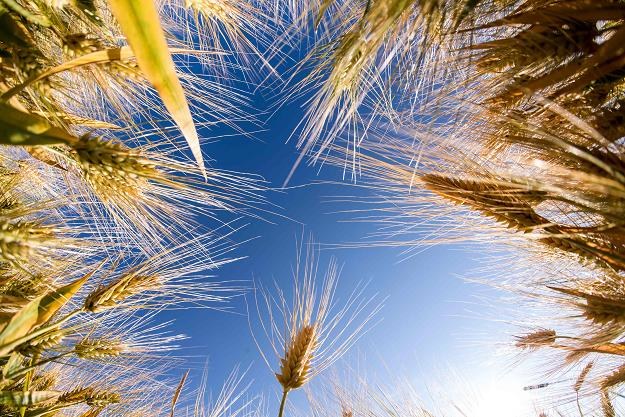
(606, 404)
(90, 396)
(582, 377)
(128, 285)
(537, 339)
(296, 363)
(615, 378)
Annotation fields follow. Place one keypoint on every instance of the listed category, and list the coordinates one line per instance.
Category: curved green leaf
(26, 398)
(36, 313)
(140, 22)
(21, 128)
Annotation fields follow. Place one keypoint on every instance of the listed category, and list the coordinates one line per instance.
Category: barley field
(287, 208)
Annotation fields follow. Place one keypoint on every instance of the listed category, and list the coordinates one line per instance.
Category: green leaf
(10, 32)
(14, 363)
(35, 18)
(26, 398)
(139, 20)
(21, 128)
(36, 313)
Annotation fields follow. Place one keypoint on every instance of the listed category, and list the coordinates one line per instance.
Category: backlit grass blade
(36, 313)
(26, 398)
(139, 20)
(21, 128)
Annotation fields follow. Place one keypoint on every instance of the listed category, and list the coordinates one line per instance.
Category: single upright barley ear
(295, 365)
(537, 339)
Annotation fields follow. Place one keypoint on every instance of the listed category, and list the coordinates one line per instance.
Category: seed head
(615, 378)
(112, 169)
(128, 285)
(295, 365)
(606, 405)
(18, 240)
(44, 342)
(537, 339)
(89, 396)
(582, 376)
(98, 348)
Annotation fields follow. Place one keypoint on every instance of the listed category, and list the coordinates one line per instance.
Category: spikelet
(582, 377)
(295, 365)
(89, 396)
(212, 9)
(98, 348)
(599, 307)
(615, 378)
(44, 381)
(537, 339)
(128, 285)
(606, 404)
(114, 170)
(20, 240)
(42, 343)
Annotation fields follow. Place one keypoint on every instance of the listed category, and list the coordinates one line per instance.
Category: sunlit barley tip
(295, 365)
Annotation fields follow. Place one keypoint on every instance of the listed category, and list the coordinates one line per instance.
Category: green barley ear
(89, 396)
(98, 348)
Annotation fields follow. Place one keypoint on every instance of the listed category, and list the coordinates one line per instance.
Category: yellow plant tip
(140, 23)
